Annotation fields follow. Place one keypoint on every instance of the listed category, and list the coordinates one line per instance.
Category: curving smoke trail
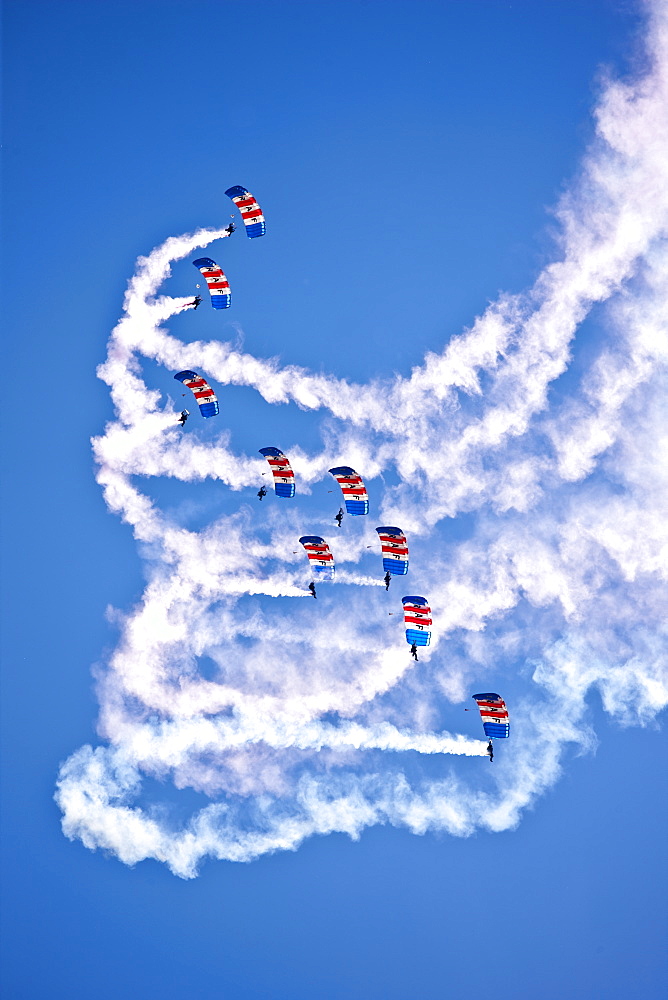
(294, 723)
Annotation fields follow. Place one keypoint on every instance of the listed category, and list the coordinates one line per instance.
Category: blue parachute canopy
(319, 555)
(494, 715)
(354, 491)
(395, 550)
(284, 477)
(204, 394)
(417, 619)
(217, 283)
(251, 212)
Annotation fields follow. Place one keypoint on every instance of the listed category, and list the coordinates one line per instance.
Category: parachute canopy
(353, 489)
(494, 715)
(320, 557)
(219, 286)
(251, 212)
(395, 550)
(204, 394)
(284, 477)
(417, 618)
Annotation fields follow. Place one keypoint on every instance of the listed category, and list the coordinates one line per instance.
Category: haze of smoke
(301, 728)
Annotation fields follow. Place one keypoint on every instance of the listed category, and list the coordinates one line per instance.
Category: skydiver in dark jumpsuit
(339, 517)
(311, 587)
(230, 229)
(262, 492)
(490, 751)
(414, 651)
(183, 417)
(196, 301)
(387, 578)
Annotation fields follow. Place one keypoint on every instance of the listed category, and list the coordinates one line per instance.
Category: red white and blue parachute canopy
(320, 557)
(204, 394)
(284, 477)
(251, 212)
(395, 550)
(353, 489)
(494, 715)
(219, 286)
(417, 618)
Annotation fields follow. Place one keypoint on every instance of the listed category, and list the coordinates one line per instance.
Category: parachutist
(311, 587)
(196, 301)
(230, 229)
(414, 651)
(339, 517)
(490, 751)
(183, 417)
(262, 492)
(387, 578)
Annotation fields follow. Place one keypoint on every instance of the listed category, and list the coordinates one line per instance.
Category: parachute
(204, 394)
(284, 477)
(353, 489)
(320, 557)
(417, 616)
(219, 286)
(395, 550)
(494, 715)
(251, 212)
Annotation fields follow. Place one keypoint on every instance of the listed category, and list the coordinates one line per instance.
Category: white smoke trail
(303, 717)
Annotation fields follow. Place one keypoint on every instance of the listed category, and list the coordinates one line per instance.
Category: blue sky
(462, 294)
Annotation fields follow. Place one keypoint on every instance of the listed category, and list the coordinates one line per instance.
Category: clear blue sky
(408, 156)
